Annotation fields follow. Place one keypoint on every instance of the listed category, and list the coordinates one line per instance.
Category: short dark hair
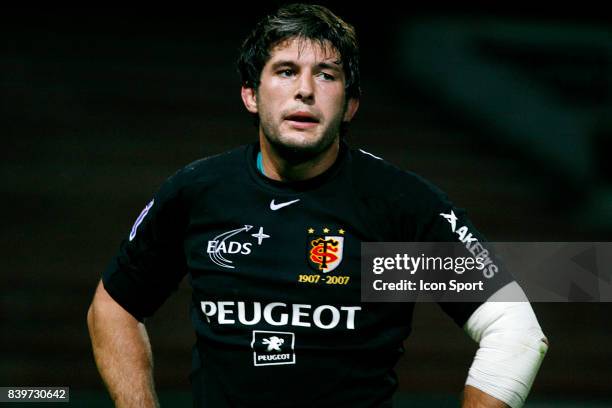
(303, 21)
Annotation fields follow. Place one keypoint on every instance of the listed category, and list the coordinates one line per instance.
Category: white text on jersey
(280, 314)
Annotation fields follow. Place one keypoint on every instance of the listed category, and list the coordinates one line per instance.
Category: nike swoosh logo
(274, 206)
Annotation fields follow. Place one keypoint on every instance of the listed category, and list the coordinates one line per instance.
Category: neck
(280, 168)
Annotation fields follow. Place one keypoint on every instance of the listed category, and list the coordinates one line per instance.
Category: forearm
(122, 353)
(475, 398)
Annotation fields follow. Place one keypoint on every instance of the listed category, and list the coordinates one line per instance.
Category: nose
(305, 89)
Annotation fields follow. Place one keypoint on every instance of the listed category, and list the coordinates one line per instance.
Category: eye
(326, 76)
(288, 72)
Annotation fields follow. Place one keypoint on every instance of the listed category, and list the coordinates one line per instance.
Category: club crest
(324, 252)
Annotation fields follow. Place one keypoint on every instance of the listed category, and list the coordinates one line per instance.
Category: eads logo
(324, 252)
(225, 244)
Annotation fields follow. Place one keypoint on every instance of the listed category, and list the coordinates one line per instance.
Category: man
(270, 235)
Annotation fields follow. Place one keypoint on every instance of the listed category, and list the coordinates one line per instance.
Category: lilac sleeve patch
(140, 218)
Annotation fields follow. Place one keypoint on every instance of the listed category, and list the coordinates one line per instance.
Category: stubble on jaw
(299, 153)
(294, 153)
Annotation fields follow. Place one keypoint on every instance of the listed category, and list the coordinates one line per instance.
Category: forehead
(304, 50)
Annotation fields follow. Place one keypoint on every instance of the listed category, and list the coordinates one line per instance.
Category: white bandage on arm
(512, 346)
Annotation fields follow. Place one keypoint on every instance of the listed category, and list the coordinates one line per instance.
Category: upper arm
(442, 221)
(104, 306)
(150, 262)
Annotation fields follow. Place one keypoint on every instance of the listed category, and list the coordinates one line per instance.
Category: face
(301, 98)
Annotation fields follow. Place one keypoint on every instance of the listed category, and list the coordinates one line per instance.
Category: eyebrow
(335, 65)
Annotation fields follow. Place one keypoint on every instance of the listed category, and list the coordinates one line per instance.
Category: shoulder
(220, 165)
(203, 173)
(376, 176)
(210, 169)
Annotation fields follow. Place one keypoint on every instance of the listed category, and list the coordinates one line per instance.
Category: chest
(257, 244)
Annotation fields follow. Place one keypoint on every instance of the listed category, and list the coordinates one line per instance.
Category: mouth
(302, 120)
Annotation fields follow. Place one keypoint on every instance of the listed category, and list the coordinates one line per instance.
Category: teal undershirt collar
(260, 164)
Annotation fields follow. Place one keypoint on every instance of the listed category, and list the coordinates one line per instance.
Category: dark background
(100, 106)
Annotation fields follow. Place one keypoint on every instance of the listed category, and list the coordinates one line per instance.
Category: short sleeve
(447, 223)
(150, 263)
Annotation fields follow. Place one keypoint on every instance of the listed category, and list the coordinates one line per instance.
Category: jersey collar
(294, 186)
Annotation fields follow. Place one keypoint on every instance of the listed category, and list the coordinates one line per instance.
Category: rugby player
(269, 235)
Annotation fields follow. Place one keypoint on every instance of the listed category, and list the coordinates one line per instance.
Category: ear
(249, 98)
(351, 108)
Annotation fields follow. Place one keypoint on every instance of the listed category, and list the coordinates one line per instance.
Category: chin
(301, 141)
(298, 149)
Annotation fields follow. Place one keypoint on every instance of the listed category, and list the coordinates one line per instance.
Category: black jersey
(275, 272)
